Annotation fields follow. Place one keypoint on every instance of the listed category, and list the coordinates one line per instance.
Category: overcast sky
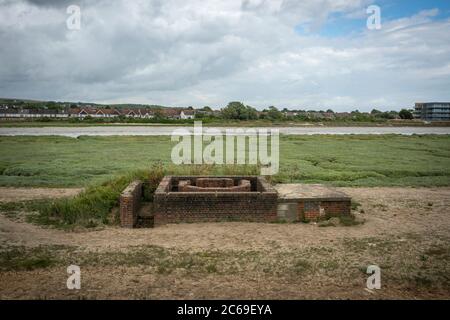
(287, 53)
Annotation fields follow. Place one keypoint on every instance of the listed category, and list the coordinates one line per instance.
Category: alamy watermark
(190, 147)
(74, 279)
(374, 20)
(374, 280)
(73, 22)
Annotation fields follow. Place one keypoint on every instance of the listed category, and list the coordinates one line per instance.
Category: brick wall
(213, 186)
(130, 200)
(172, 206)
(315, 210)
(214, 182)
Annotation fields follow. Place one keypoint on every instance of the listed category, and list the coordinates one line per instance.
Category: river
(168, 130)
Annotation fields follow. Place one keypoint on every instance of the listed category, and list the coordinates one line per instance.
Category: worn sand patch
(24, 194)
(388, 211)
(138, 283)
(402, 225)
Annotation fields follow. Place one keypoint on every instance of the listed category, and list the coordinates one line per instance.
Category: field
(356, 160)
(400, 186)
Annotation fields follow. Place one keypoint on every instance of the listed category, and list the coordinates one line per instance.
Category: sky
(310, 54)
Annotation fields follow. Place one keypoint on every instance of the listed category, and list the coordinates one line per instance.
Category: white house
(187, 114)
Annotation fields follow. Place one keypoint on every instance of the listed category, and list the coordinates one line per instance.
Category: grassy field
(355, 160)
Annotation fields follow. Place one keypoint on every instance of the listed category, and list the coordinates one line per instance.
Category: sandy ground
(23, 194)
(405, 224)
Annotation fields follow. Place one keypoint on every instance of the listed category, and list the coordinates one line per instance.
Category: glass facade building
(432, 111)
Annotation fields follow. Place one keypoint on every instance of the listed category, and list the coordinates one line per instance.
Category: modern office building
(432, 111)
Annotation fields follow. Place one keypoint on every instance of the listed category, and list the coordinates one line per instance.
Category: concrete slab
(291, 192)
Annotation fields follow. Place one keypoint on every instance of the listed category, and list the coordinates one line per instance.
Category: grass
(21, 258)
(412, 264)
(351, 160)
(88, 209)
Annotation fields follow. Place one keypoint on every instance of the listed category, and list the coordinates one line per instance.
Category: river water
(168, 130)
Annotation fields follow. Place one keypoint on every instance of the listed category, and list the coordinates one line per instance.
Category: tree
(375, 112)
(389, 115)
(274, 114)
(159, 114)
(238, 111)
(405, 114)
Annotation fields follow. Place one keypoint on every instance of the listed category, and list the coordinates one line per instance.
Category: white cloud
(211, 52)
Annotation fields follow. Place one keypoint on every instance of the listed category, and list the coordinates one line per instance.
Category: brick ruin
(311, 202)
(214, 185)
(201, 199)
(130, 200)
(231, 198)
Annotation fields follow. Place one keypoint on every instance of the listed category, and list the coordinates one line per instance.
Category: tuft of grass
(355, 204)
(349, 220)
(88, 209)
(301, 266)
(20, 258)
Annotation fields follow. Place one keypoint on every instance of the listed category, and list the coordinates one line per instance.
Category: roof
(188, 112)
(171, 112)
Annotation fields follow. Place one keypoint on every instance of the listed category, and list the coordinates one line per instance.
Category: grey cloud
(54, 3)
(194, 53)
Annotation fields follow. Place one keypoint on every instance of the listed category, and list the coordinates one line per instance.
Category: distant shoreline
(75, 132)
(396, 124)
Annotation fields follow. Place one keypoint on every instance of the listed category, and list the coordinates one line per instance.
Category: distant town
(16, 109)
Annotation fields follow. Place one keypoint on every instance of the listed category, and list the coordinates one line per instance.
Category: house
(79, 112)
(171, 113)
(187, 114)
(290, 114)
(32, 113)
(146, 113)
(9, 113)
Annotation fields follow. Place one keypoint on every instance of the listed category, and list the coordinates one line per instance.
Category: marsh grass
(348, 160)
(21, 258)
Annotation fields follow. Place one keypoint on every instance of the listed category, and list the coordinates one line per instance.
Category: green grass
(21, 258)
(354, 160)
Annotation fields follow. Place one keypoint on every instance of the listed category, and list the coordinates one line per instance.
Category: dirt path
(408, 228)
(388, 211)
(23, 194)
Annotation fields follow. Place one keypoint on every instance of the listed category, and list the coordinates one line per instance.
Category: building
(432, 111)
(146, 113)
(187, 114)
(171, 113)
(12, 113)
(7, 112)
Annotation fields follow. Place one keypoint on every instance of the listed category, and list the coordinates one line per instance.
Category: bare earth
(23, 194)
(406, 232)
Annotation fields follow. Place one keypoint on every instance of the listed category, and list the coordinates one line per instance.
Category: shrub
(90, 207)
